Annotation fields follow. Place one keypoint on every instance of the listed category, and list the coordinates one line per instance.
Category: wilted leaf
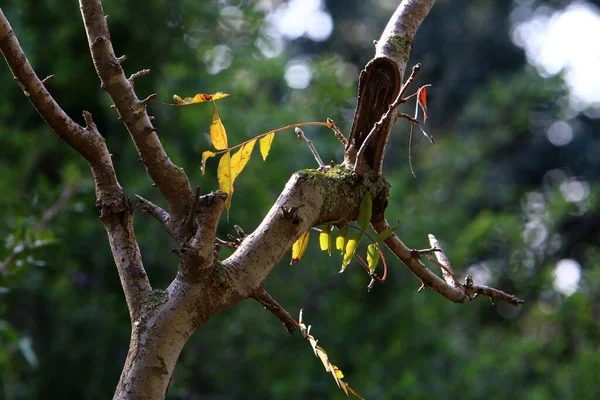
(386, 233)
(299, 247)
(199, 98)
(422, 100)
(265, 145)
(340, 240)
(240, 159)
(205, 156)
(322, 355)
(224, 178)
(338, 372)
(372, 256)
(218, 136)
(350, 249)
(325, 240)
(366, 208)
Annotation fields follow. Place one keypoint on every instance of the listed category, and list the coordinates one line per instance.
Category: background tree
(538, 348)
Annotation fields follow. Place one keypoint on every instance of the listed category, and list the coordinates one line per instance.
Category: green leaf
(386, 233)
(350, 249)
(325, 239)
(373, 256)
(366, 209)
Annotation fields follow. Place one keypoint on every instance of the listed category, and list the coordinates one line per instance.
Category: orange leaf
(201, 97)
(299, 247)
(205, 156)
(265, 145)
(241, 158)
(422, 100)
(218, 136)
(224, 178)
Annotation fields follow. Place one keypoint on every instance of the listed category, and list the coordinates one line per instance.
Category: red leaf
(422, 99)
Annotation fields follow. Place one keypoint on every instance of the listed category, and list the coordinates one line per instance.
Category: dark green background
(484, 189)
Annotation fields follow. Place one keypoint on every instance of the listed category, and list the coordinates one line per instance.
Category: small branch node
(148, 99)
(137, 74)
(122, 59)
(48, 79)
(154, 211)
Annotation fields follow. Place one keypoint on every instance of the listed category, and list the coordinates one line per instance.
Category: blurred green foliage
(493, 190)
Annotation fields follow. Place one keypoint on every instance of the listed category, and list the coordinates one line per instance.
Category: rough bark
(162, 321)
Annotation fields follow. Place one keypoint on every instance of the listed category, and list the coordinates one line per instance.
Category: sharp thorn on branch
(148, 99)
(48, 79)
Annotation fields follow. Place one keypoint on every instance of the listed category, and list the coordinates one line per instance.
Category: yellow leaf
(372, 256)
(265, 145)
(325, 239)
(201, 97)
(340, 240)
(350, 249)
(241, 158)
(205, 156)
(224, 178)
(299, 247)
(338, 372)
(218, 136)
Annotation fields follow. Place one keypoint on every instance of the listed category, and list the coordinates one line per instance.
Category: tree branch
(170, 179)
(449, 288)
(115, 209)
(309, 198)
(380, 83)
(271, 304)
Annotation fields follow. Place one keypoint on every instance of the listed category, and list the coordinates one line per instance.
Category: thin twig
(338, 134)
(270, 304)
(312, 148)
(155, 211)
(455, 292)
(494, 294)
(410, 137)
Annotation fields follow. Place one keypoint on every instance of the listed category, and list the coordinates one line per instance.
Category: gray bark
(162, 321)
